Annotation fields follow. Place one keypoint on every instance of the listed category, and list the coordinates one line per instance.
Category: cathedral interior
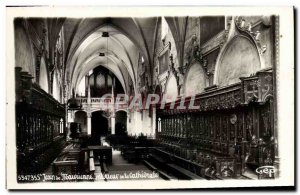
(66, 123)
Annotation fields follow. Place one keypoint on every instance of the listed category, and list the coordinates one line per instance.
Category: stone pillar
(153, 120)
(86, 85)
(89, 91)
(89, 113)
(128, 125)
(113, 115)
(113, 121)
(65, 128)
(89, 124)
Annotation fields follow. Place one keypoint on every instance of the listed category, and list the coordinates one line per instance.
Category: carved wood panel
(234, 122)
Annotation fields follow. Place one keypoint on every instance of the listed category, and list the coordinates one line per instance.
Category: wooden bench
(164, 175)
(103, 151)
(183, 172)
(163, 154)
(66, 163)
(149, 165)
(161, 173)
(157, 158)
(66, 167)
(163, 158)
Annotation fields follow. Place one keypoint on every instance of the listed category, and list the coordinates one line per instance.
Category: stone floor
(128, 171)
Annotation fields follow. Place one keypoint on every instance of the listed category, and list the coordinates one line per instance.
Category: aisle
(117, 158)
(123, 170)
(120, 164)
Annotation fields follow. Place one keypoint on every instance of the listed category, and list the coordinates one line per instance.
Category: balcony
(100, 104)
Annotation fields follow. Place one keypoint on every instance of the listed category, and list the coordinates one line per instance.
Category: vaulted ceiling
(128, 39)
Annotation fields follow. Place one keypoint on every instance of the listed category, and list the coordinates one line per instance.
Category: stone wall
(43, 78)
(34, 54)
(210, 26)
(195, 80)
(160, 78)
(23, 50)
(240, 59)
(225, 60)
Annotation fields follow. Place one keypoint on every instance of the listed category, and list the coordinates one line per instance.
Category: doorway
(99, 127)
(121, 123)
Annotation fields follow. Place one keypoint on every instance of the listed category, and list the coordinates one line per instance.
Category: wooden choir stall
(229, 136)
(39, 126)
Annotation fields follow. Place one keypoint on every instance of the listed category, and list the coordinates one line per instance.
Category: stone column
(113, 115)
(153, 121)
(113, 121)
(89, 124)
(89, 91)
(89, 113)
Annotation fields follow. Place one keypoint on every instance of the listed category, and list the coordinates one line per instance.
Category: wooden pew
(183, 173)
(103, 151)
(153, 168)
(149, 165)
(206, 164)
(158, 159)
(180, 167)
(66, 163)
(65, 166)
(164, 175)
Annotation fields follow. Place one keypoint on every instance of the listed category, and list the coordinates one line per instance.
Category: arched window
(61, 126)
(159, 125)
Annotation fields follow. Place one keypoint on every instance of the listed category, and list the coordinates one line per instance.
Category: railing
(102, 103)
(94, 100)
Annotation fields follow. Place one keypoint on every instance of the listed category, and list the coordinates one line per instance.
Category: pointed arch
(239, 57)
(44, 76)
(171, 89)
(195, 80)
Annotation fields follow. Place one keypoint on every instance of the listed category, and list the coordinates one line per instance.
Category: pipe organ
(232, 132)
(39, 123)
